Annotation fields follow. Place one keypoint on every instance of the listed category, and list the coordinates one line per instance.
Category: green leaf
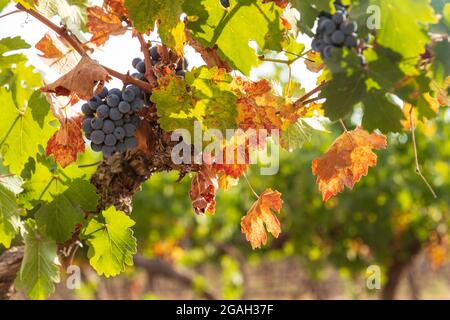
(59, 218)
(11, 44)
(441, 61)
(380, 113)
(39, 270)
(309, 11)
(45, 182)
(3, 4)
(145, 14)
(111, 242)
(295, 136)
(232, 29)
(23, 130)
(210, 100)
(9, 215)
(403, 25)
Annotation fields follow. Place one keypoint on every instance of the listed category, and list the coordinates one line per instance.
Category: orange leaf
(314, 62)
(203, 190)
(238, 146)
(65, 144)
(105, 21)
(252, 224)
(48, 48)
(348, 159)
(81, 80)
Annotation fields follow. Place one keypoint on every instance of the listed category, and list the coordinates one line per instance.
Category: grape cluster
(111, 119)
(139, 65)
(334, 31)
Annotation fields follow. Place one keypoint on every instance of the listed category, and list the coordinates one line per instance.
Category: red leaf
(203, 190)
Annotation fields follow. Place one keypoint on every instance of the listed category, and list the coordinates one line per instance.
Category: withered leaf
(260, 214)
(348, 159)
(203, 190)
(81, 80)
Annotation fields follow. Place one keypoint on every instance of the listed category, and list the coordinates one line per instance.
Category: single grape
(120, 133)
(96, 147)
(87, 135)
(130, 129)
(110, 140)
(98, 137)
(86, 109)
(93, 105)
(124, 107)
(338, 37)
(327, 40)
(108, 126)
(113, 100)
(154, 53)
(96, 123)
(329, 27)
(108, 151)
(317, 45)
(131, 142)
(96, 100)
(128, 95)
(119, 123)
(351, 41)
(327, 52)
(115, 114)
(135, 62)
(102, 111)
(104, 93)
(120, 147)
(86, 125)
(115, 91)
(137, 105)
(141, 67)
(225, 3)
(137, 91)
(349, 27)
(135, 120)
(338, 17)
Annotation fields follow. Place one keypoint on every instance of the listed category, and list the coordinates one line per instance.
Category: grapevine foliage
(386, 70)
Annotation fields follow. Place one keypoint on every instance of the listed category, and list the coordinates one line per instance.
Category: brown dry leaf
(260, 214)
(203, 190)
(48, 48)
(81, 80)
(106, 21)
(67, 142)
(348, 159)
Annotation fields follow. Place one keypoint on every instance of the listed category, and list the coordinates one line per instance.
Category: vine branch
(147, 60)
(77, 45)
(416, 156)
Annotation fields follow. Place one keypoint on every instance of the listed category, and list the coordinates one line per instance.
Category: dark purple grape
(108, 151)
(131, 142)
(338, 37)
(108, 126)
(96, 100)
(351, 42)
(98, 137)
(181, 73)
(119, 123)
(124, 107)
(135, 62)
(140, 67)
(137, 91)
(110, 140)
(87, 135)
(120, 133)
(137, 105)
(338, 17)
(104, 93)
(329, 27)
(120, 147)
(93, 105)
(113, 100)
(128, 95)
(96, 147)
(130, 129)
(225, 3)
(115, 91)
(97, 123)
(86, 125)
(182, 64)
(115, 114)
(349, 27)
(327, 52)
(154, 53)
(102, 111)
(135, 120)
(86, 109)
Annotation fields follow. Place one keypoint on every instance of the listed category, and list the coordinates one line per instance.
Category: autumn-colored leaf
(203, 190)
(227, 182)
(106, 21)
(260, 214)
(81, 80)
(314, 62)
(67, 142)
(235, 156)
(348, 159)
(48, 48)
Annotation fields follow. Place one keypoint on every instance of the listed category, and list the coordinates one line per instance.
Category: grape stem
(250, 186)
(78, 46)
(416, 156)
(308, 95)
(10, 13)
(149, 74)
